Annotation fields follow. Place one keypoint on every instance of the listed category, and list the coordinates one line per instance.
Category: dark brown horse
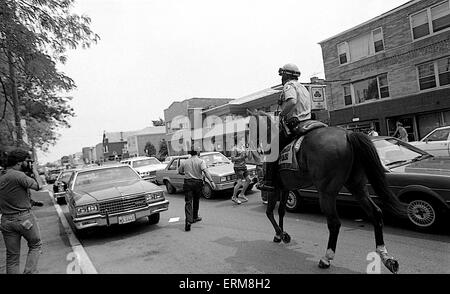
(332, 158)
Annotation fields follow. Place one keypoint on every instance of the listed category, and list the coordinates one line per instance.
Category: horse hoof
(286, 238)
(392, 265)
(324, 264)
(277, 239)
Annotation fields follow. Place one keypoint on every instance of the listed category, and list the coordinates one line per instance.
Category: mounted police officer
(295, 104)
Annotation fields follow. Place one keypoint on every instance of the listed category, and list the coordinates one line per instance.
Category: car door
(69, 193)
(172, 173)
(180, 178)
(437, 142)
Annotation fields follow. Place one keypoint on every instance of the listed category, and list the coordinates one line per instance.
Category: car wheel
(170, 189)
(153, 219)
(293, 202)
(207, 191)
(423, 213)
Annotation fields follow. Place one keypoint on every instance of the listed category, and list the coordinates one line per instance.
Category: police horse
(331, 158)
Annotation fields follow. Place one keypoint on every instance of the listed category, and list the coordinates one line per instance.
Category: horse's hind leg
(271, 203)
(376, 216)
(281, 213)
(328, 206)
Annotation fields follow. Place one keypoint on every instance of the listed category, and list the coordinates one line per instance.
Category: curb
(84, 262)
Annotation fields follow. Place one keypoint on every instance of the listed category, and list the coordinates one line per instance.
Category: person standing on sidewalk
(15, 206)
(193, 169)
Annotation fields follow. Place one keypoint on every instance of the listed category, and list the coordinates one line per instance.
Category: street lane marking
(174, 219)
(84, 261)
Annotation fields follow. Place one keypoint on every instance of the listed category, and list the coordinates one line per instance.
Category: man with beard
(15, 206)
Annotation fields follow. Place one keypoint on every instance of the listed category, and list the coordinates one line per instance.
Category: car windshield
(144, 162)
(107, 175)
(215, 159)
(65, 176)
(393, 152)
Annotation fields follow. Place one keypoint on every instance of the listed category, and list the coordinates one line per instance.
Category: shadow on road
(263, 257)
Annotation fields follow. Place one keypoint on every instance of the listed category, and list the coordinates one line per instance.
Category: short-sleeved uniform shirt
(192, 168)
(14, 192)
(302, 109)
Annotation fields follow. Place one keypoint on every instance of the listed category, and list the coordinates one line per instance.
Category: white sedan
(437, 142)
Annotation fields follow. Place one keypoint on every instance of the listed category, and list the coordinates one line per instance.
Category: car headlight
(154, 196)
(223, 179)
(87, 209)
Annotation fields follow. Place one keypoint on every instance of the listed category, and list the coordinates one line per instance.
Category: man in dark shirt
(15, 206)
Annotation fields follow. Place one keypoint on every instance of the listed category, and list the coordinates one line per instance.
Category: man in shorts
(243, 178)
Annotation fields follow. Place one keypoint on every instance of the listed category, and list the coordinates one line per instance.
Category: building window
(420, 25)
(361, 46)
(369, 89)
(384, 86)
(434, 74)
(366, 90)
(378, 41)
(440, 16)
(427, 78)
(431, 20)
(347, 95)
(343, 53)
(444, 71)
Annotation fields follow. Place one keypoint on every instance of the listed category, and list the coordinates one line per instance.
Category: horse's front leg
(271, 203)
(281, 213)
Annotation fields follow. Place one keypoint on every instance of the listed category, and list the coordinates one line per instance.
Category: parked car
(113, 194)
(145, 166)
(417, 178)
(220, 167)
(437, 142)
(60, 186)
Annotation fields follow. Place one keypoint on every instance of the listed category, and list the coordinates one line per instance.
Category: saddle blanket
(288, 160)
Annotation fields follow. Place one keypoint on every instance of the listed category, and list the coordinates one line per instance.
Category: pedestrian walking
(401, 133)
(17, 220)
(193, 169)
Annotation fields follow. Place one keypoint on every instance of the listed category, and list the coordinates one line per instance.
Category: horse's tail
(366, 155)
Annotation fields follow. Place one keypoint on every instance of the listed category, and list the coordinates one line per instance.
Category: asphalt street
(237, 239)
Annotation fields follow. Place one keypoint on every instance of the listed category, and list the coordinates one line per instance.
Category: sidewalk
(55, 244)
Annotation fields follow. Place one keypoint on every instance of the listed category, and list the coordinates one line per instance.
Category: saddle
(288, 159)
(307, 126)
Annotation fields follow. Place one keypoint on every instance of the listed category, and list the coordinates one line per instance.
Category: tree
(34, 36)
(163, 152)
(158, 123)
(150, 149)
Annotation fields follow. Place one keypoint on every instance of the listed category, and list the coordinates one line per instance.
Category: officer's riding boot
(267, 182)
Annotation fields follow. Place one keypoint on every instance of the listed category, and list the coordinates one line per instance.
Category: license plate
(124, 219)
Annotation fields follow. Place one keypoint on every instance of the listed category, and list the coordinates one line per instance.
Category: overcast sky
(155, 52)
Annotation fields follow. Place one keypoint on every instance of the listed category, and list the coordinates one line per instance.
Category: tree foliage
(158, 123)
(34, 36)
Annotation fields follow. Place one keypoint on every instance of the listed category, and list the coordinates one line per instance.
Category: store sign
(318, 98)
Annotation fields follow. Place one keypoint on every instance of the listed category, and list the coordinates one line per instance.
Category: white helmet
(289, 69)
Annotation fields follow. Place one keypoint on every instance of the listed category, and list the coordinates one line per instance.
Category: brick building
(395, 67)
(136, 143)
(185, 109)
